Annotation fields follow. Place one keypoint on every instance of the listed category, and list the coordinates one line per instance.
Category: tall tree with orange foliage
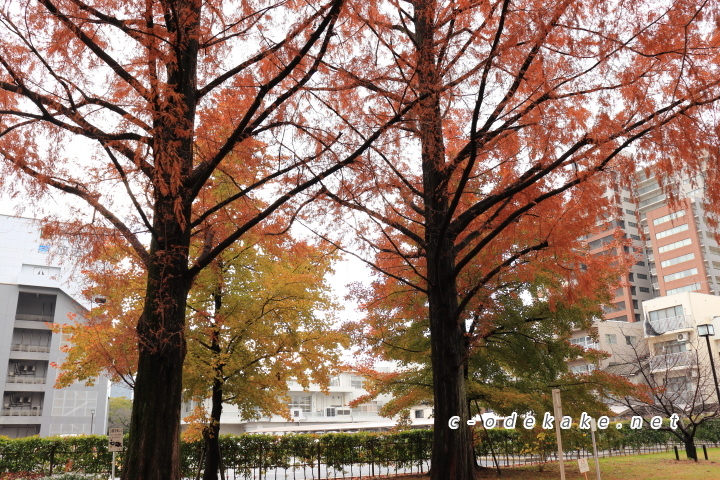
(130, 108)
(520, 104)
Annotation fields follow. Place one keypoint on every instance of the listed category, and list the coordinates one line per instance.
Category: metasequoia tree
(130, 108)
(512, 365)
(519, 103)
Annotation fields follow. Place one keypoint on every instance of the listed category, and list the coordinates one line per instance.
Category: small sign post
(593, 429)
(557, 406)
(115, 444)
(583, 466)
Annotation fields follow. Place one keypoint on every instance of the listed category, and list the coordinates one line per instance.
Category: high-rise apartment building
(679, 255)
(34, 294)
(683, 253)
(622, 325)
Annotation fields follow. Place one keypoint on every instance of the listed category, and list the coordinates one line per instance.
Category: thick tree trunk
(452, 457)
(690, 449)
(153, 451)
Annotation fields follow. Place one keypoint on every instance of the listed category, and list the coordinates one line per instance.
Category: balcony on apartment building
(35, 307)
(671, 361)
(22, 404)
(27, 372)
(30, 344)
(674, 324)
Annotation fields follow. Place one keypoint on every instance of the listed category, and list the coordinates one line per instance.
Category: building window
(678, 275)
(642, 276)
(672, 231)
(673, 346)
(629, 340)
(610, 339)
(669, 312)
(678, 384)
(301, 402)
(676, 260)
(356, 382)
(686, 288)
(644, 290)
(369, 407)
(419, 414)
(615, 307)
(667, 218)
(673, 246)
(585, 342)
(335, 381)
(653, 199)
(601, 241)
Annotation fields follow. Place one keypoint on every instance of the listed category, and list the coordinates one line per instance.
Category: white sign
(115, 440)
(583, 465)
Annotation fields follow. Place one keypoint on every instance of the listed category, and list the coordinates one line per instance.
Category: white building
(671, 332)
(313, 410)
(619, 339)
(33, 295)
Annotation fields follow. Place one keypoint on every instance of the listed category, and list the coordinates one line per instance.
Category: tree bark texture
(452, 456)
(153, 450)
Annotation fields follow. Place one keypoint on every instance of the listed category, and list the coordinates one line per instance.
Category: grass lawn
(655, 466)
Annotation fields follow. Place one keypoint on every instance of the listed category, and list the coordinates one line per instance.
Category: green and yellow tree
(258, 316)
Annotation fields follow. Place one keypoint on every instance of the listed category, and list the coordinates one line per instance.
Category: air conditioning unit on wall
(683, 337)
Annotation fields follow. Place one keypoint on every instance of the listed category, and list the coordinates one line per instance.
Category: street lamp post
(707, 330)
(92, 420)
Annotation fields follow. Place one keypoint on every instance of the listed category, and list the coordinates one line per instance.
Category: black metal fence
(359, 455)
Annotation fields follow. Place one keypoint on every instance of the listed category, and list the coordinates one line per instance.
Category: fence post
(319, 459)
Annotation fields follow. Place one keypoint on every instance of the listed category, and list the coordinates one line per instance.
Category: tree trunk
(212, 434)
(452, 456)
(153, 451)
(690, 449)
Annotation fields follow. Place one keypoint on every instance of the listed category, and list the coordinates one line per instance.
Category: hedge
(248, 452)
